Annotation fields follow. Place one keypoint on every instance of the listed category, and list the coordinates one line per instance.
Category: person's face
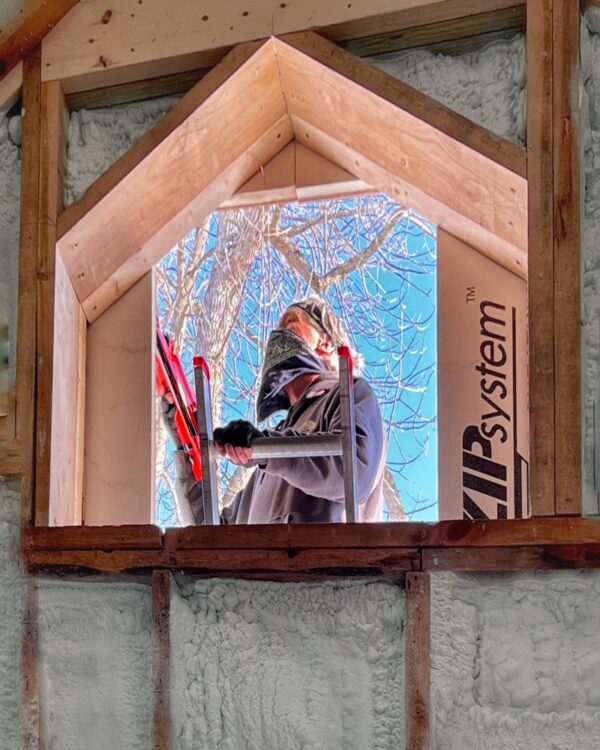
(300, 323)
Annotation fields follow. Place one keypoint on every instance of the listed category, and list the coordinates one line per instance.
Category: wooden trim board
(93, 47)
(171, 160)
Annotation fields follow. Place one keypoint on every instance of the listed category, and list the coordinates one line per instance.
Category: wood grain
(540, 256)
(161, 651)
(417, 661)
(28, 248)
(39, 17)
(567, 258)
(181, 158)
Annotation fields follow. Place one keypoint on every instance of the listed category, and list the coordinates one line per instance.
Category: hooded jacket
(308, 489)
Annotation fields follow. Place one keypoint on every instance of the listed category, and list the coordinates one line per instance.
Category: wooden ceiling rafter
(437, 157)
(33, 22)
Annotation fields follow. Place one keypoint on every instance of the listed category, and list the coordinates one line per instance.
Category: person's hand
(233, 440)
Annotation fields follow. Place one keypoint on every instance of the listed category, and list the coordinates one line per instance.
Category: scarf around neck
(286, 357)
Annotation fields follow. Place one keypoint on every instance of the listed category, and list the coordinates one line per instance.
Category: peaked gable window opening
(224, 286)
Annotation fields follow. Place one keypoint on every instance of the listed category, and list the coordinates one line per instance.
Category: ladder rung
(292, 447)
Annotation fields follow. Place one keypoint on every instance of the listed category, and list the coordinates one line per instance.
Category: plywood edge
(396, 92)
(205, 88)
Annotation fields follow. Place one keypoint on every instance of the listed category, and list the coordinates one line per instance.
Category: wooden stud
(26, 332)
(161, 648)
(567, 270)
(540, 256)
(31, 729)
(39, 17)
(417, 661)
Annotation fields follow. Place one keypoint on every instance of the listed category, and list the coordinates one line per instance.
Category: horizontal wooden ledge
(316, 562)
(511, 559)
(510, 533)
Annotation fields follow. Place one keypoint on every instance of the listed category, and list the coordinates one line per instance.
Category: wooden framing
(417, 661)
(31, 25)
(93, 47)
(554, 308)
(297, 552)
(161, 648)
(411, 130)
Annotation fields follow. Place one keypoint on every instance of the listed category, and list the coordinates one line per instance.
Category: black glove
(238, 433)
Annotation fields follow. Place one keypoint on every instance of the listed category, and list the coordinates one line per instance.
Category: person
(299, 375)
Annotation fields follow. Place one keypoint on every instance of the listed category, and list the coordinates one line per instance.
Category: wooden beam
(477, 175)
(11, 86)
(34, 23)
(31, 738)
(171, 160)
(417, 661)
(567, 269)
(59, 447)
(161, 652)
(541, 261)
(208, 200)
(96, 537)
(554, 288)
(512, 257)
(505, 559)
(294, 537)
(137, 91)
(94, 48)
(453, 31)
(28, 248)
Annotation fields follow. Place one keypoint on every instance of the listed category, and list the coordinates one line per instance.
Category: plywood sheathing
(296, 173)
(243, 113)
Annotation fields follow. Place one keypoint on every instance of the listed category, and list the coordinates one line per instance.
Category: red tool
(170, 378)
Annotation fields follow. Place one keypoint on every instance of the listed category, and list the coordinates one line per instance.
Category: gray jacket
(308, 489)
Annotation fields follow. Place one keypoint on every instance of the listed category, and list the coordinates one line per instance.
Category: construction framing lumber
(410, 131)
(28, 249)
(31, 738)
(10, 88)
(94, 47)
(61, 336)
(417, 661)
(554, 256)
(295, 551)
(171, 160)
(161, 649)
(34, 23)
(567, 258)
(452, 33)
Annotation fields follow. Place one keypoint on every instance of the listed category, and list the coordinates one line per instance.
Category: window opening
(224, 286)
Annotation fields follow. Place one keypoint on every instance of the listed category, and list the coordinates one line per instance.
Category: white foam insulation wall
(515, 661)
(590, 145)
(95, 664)
(297, 666)
(10, 617)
